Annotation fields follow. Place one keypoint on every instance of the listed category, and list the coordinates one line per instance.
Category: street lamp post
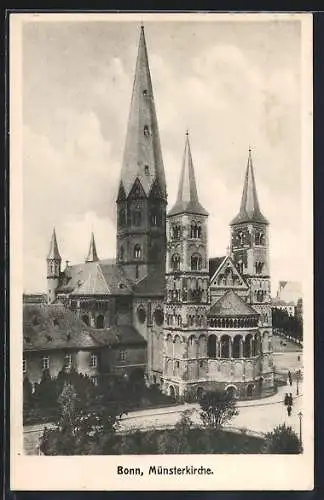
(300, 415)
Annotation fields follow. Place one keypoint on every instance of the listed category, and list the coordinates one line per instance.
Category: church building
(206, 321)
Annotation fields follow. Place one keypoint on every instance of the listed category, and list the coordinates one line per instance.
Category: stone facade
(205, 323)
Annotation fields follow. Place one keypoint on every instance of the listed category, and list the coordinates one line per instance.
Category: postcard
(161, 246)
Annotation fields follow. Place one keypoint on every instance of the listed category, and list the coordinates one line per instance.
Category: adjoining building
(56, 340)
(206, 322)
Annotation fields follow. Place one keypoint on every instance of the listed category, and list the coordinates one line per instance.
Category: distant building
(35, 298)
(288, 295)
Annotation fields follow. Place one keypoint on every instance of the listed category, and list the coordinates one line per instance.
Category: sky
(231, 84)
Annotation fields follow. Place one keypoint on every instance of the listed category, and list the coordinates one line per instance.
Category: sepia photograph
(161, 193)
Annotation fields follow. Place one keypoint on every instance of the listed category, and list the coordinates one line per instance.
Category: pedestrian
(298, 358)
(286, 400)
(289, 377)
(290, 402)
(289, 410)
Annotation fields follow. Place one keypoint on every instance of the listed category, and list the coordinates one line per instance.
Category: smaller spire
(250, 208)
(92, 254)
(54, 253)
(187, 200)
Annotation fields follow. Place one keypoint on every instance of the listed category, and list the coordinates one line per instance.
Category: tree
(82, 429)
(282, 440)
(177, 440)
(218, 407)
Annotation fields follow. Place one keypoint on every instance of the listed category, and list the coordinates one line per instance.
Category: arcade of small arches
(213, 346)
(250, 322)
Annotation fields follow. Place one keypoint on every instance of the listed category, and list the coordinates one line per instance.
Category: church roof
(249, 209)
(53, 251)
(152, 285)
(214, 263)
(52, 326)
(104, 277)
(119, 334)
(187, 199)
(92, 254)
(142, 158)
(230, 304)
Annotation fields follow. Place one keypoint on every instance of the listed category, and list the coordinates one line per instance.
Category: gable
(137, 190)
(227, 276)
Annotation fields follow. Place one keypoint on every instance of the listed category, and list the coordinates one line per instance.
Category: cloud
(77, 90)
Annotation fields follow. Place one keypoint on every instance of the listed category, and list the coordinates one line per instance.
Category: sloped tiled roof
(95, 278)
(230, 304)
(152, 285)
(47, 327)
(95, 284)
(118, 334)
(214, 264)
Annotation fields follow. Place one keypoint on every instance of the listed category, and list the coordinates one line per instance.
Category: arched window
(155, 216)
(196, 262)
(137, 217)
(158, 317)
(175, 262)
(85, 319)
(137, 252)
(121, 253)
(225, 346)
(237, 346)
(176, 232)
(191, 347)
(100, 321)
(202, 345)
(211, 346)
(146, 130)
(259, 238)
(247, 346)
(195, 230)
(258, 267)
(141, 314)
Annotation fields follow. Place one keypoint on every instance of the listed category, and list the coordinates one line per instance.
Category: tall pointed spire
(249, 209)
(92, 254)
(53, 251)
(187, 200)
(142, 155)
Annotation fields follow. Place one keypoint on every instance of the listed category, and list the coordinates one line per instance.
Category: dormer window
(146, 131)
(147, 170)
(144, 92)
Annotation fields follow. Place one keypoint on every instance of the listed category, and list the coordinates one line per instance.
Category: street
(259, 416)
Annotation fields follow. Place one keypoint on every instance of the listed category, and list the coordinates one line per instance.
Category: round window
(158, 317)
(141, 314)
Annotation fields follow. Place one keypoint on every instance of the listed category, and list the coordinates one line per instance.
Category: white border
(231, 472)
